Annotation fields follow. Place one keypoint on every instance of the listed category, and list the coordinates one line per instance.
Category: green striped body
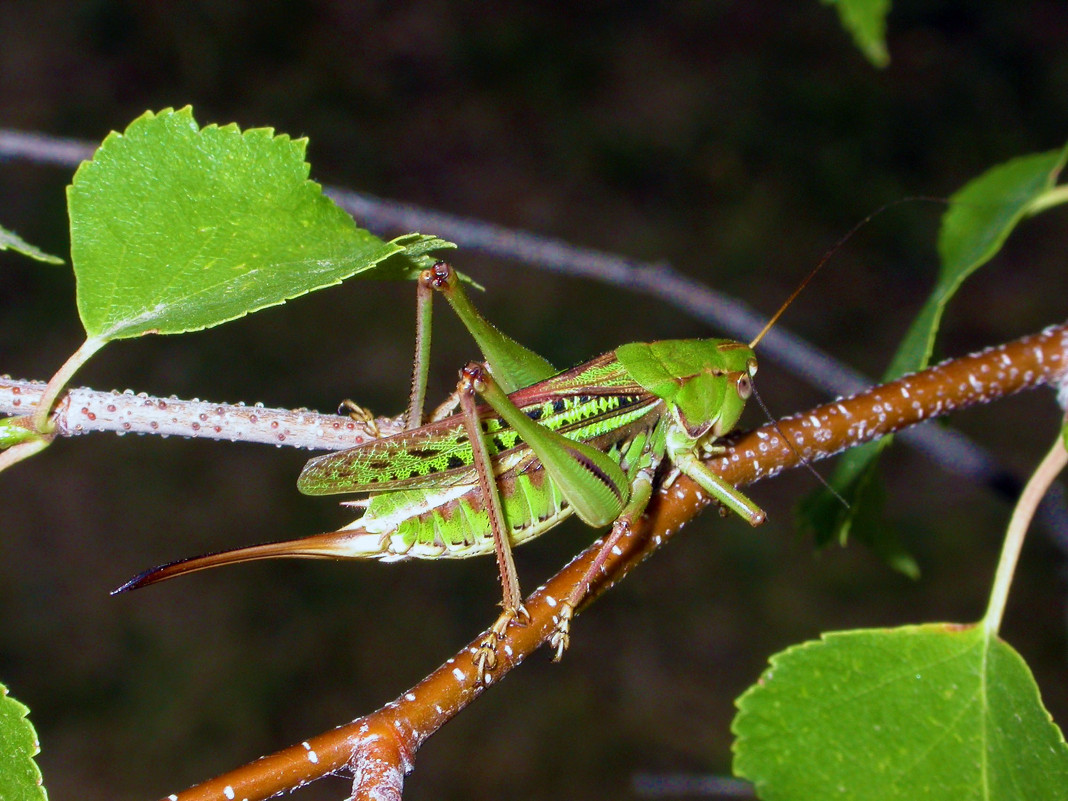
(587, 441)
(425, 502)
(639, 405)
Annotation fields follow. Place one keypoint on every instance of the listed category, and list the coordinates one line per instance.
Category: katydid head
(741, 366)
(704, 382)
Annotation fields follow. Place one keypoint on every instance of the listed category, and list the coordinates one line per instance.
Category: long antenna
(793, 296)
(834, 249)
(800, 456)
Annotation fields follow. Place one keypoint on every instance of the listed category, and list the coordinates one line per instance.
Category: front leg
(729, 496)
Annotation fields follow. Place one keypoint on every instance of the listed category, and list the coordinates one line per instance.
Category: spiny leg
(446, 408)
(641, 492)
(424, 309)
(471, 383)
(512, 365)
(595, 486)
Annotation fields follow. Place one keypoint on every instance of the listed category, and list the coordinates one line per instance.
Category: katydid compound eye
(744, 387)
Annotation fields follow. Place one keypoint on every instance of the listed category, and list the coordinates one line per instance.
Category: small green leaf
(407, 264)
(20, 778)
(979, 220)
(176, 228)
(822, 516)
(918, 713)
(9, 240)
(866, 22)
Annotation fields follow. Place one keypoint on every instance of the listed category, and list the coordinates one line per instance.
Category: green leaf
(408, 264)
(20, 778)
(415, 257)
(822, 516)
(9, 240)
(866, 22)
(979, 220)
(921, 712)
(176, 228)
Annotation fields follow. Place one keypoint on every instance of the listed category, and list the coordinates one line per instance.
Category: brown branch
(380, 747)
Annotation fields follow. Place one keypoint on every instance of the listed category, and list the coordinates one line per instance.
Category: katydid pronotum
(588, 440)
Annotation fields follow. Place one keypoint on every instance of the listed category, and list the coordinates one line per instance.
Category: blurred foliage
(736, 141)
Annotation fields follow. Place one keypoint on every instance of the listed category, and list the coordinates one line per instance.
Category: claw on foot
(486, 658)
(561, 637)
(360, 415)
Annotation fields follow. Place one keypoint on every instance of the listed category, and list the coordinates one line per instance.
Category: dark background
(736, 141)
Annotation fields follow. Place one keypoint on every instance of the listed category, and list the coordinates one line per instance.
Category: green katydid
(588, 441)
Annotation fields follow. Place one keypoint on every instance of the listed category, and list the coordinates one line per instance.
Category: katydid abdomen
(406, 524)
(425, 501)
(419, 524)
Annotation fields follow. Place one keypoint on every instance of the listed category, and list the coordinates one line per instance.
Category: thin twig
(1022, 515)
(82, 411)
